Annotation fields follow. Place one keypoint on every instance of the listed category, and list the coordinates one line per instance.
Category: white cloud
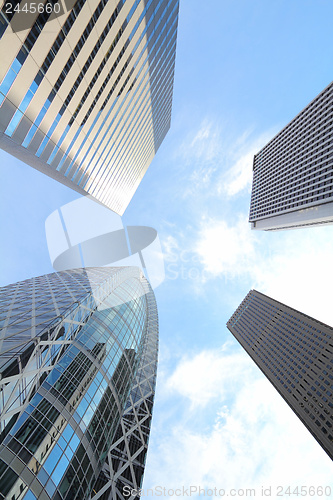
(254, 439)
(290, 266)
(219, 163)
(170, 248)
(225, 249)
(217, 420)
(238, 177)
(200, 152)
(206, 143)
(296, 271)
(203, 377)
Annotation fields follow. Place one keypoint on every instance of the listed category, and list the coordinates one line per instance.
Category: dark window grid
(98, 72)
(291, 206)
(81, 42)
(280, 136)
(8, 479)
(104, 84)
(146, 128)
(285, 151)
(62, 35)
(308, 132)
(110, 92)
(91, 108)
(70, 167)
(7, 16)
(292, 203)
(143, 152)
(31, 433)
(281, 183)
(45, 408)
(279, 180)
(118, 152)
(297, 170)
(35, 31)
(307, 146)
(298, 198)
(304, 195)
(85, 36)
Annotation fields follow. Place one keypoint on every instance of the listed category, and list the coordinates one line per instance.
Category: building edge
(253, 355)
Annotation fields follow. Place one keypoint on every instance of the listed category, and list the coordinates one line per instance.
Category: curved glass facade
(125, 462)
(57, 440)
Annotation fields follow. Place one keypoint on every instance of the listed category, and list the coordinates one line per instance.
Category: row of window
(305, 118)
(92, 140)
(114, 117)
(282, 177)
(149, 86)
(72, 381)
(308, 174)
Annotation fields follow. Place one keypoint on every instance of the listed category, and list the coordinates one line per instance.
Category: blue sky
(243, 70)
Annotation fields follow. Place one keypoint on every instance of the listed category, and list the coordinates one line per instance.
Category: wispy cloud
(220, 164)
(291, 266)
(238, 176)
(170, 248)
(218, 421)
(204, 377)
(253, 438)
(202, 144)
(225, 249)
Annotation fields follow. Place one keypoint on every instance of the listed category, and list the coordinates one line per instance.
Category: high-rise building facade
(293, 174)
(78, 360)
(295, 353)
(86, 90)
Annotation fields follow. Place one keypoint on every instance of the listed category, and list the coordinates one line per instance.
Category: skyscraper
(295, 352)
(293, 174)
(78, 371)
(86, 90)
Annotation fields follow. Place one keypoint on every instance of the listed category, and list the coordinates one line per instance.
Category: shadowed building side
(295, 353)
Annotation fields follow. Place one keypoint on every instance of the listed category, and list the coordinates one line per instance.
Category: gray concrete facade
(293, 174)
(295, 353)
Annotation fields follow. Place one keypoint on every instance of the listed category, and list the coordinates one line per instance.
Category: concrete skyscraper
(78, 360)
(86, 90)
(295, 352)
(293, 174)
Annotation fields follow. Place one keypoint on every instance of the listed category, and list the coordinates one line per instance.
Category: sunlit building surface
(78, 371)
(293, 174)
(86, 90)
(295, 352)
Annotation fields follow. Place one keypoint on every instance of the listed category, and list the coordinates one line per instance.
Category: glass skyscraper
(295, 353)
(78, 371)
(86, 91)
(293, 174)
